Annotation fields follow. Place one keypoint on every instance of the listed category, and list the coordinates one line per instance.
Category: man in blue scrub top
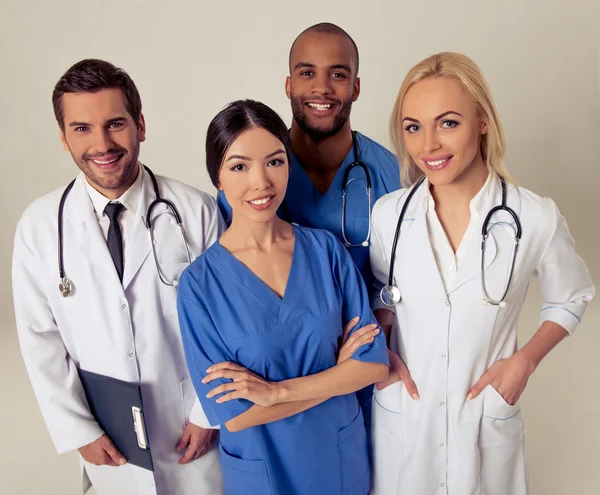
(322, 86)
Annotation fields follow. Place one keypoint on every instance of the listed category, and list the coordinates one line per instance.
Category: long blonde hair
(463, 69)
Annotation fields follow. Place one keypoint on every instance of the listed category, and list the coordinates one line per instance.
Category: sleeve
(379, 265)
(204, 346)
(52, 372)
(224, 207)
(564, 278)
(355, 299)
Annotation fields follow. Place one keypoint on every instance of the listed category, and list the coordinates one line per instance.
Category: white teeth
(319, 106)
(100, 162)
(437, 162)
(261, 201)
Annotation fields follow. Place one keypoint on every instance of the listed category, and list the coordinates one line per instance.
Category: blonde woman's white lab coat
(443, 443)
(128, 331)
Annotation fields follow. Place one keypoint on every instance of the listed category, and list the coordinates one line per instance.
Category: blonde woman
(448, 420)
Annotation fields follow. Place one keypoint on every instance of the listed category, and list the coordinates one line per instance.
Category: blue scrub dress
(228, 314)
(306, 206)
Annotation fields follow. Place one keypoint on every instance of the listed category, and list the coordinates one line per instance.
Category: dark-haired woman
(262, 313)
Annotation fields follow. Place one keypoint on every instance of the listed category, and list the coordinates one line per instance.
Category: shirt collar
(474, 205)
(129, 198)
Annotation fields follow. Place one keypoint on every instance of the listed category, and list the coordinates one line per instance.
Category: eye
(338, 75)
(275, 163)
(449, 124)
(115, 125)
(306, 73)
(81, 128)
(412, 128)
(238, 168)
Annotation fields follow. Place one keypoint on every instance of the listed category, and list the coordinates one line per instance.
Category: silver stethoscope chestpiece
(390, 295)
(64, 287)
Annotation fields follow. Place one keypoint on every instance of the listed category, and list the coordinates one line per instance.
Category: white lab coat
(128, 331)
(444, 443)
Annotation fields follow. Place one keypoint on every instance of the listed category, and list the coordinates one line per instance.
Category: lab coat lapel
(139, 246)
(415, 253)
(86, 229)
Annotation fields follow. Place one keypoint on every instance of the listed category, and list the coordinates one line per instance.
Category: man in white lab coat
(119, 319)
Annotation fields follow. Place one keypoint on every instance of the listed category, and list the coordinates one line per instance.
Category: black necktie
(115, 238)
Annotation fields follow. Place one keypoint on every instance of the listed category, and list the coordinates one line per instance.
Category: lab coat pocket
(244, 477)
(501, 443)
(354, 455)
(501, 424)
(386, 437)
(168, 294)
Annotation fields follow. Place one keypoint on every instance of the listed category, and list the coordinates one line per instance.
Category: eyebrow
(440, 116)
(247, 158)
(306, 65)
(108, 122)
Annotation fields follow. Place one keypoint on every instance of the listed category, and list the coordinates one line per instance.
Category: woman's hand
(508, 376)
(246, 385)
(399, 372)
(349, 345)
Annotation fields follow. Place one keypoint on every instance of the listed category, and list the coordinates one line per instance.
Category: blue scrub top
(309, 208)
(227, 313)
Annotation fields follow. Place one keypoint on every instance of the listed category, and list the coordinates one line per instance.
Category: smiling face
(254, 175)
(441, 129)
(103, 139)
(322, 84)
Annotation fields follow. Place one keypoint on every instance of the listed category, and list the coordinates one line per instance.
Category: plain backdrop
(190, 58)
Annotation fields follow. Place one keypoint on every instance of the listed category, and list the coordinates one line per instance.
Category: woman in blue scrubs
(262, 313)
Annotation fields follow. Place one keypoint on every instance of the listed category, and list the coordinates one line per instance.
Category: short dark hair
(328, 28)
(233, 120)
(90, 76)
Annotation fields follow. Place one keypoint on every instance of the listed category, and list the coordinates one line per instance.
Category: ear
(142, 128)
(288, 87)
(63, 140)
(483, 127)
(356, 89)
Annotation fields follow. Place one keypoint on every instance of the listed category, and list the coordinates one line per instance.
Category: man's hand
(102, 452)
(198, 442)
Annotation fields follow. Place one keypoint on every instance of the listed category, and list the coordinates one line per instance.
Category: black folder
(117, 407)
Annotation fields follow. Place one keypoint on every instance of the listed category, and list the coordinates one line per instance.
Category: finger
(349, 326)
(411, 388)
(367, 339)
(233, 375)
(188, 456)
(184, 441)
(238, 394)
(226, 365)
(483, 382)
(113, 452)
(361, 333)
(225, 387)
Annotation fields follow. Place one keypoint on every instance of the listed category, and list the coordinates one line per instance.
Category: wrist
(530, 360)
(282, 392)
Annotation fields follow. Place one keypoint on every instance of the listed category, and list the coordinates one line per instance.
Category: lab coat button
(442, 485)
(447, 303)
(124, 306)
(442, 403)
(444, 356)
(442, 444)
(131, 354)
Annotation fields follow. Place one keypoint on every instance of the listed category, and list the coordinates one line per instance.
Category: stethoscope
(346, 183)
(390, 294)
(65, 285)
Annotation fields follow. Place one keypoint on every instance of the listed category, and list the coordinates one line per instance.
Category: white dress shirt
(448, 261)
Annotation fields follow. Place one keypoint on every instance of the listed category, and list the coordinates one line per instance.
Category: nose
(321, 84)
(431, 140)
(101, 141)
(260, 179)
